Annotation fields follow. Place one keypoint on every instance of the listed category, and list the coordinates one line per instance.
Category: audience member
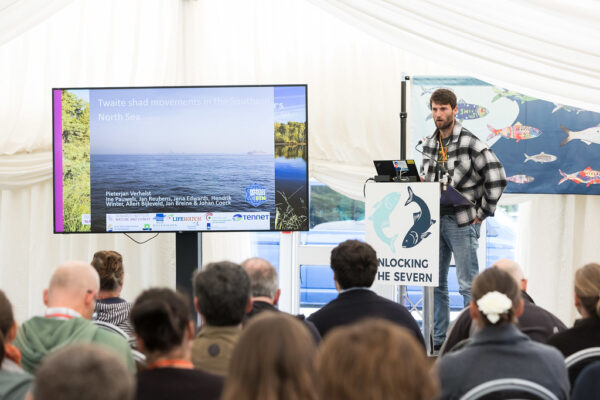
(499, 349)
(374, 359)
(70, 300)
(110, 307)
(222, 298)
(14, 382)
(587, 384)
(586, 331)
(265, 291)
(8, 328)
(273, 360)
(83, 372)
(535, 322)
(165, 332)
(354, 265)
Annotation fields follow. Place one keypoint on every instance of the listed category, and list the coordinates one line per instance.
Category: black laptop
(396, 171)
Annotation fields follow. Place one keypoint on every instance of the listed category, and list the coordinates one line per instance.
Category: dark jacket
(177, 383)
(261, 306)
(355, 304)
(502, 352)
(535, 322)
(585, 333)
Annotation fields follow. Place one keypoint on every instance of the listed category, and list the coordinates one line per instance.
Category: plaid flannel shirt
(475, 170)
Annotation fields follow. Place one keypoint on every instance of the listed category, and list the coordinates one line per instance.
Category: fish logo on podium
(422, 223)
(405, 234)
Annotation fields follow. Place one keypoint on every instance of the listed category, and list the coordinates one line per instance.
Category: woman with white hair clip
(499, 349)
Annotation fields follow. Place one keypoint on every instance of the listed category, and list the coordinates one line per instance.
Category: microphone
(438, 167)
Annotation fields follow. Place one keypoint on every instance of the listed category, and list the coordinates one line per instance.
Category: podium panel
(402, 225)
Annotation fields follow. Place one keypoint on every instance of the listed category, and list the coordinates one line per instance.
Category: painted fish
(566, 108)
(515, 96)
(381, 218)
(517, 132)
(587, 176)
(430, 90)
(422, 220)
(467, 111)
(520, 178)
(587, 136)
(541, 157)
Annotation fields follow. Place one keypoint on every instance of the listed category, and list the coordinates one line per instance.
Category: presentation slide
(180, 159)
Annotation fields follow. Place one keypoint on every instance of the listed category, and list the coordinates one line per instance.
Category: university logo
(256, 194)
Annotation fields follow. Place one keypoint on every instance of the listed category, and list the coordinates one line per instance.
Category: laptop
(396, 170)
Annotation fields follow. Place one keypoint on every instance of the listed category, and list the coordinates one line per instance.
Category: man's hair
(160, 317)
(587, 287)
(443, 97)
(109, 265)
(263, 277)
(495, 279)
(511, 267)
(83, 372)
(354, 264)
(272, 360)
(7, 318)
(374, 351)
(6, 321)
(223, 291)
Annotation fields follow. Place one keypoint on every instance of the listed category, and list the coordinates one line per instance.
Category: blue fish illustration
(422, 220)
(500, 92)
(381, 218)
(467, 111)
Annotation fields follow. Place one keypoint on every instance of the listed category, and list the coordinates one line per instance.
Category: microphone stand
(442, 173)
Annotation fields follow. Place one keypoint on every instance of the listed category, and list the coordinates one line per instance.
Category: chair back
(522, 388)
(112, 328)
(576, 362)
(582, 355)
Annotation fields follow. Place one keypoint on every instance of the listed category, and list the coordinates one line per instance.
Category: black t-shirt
(178, 383)
(442, 160)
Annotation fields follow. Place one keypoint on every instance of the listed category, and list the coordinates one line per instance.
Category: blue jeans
(462, 242)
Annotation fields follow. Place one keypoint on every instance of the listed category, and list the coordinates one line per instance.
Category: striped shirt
(474, 169)
(115, 311)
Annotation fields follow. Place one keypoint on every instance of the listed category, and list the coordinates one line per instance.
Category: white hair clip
(493, 304)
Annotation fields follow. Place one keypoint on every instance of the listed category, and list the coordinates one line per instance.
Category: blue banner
(544, 147)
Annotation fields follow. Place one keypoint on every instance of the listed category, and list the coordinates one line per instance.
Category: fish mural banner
(545, 147)
(402, 225)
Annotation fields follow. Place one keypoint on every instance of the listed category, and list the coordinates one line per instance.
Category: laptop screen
(405, 170)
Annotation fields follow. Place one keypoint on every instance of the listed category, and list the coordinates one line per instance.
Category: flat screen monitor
(219, 158)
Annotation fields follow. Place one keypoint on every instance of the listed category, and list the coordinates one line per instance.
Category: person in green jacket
(70, 300)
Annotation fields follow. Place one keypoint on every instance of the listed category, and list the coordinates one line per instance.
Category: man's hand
(477, 221)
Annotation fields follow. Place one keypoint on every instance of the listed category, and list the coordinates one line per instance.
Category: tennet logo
(237, 217)
(256, 217)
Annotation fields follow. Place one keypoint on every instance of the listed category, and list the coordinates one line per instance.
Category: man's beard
(444, 124)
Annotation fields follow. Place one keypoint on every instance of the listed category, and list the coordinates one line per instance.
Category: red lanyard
(59, 315)
(171, 363)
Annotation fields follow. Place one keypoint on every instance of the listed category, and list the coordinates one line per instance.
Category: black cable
(365, 186)
(143, 241)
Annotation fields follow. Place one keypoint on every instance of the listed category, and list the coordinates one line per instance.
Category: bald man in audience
(535, 322)
(70, 300)
(265, 291)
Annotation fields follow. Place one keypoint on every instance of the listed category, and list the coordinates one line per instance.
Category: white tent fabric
(354, 100)
(550, 50)
(18, 16)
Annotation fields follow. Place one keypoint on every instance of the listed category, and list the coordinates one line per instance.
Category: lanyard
(59, 315)
(171, 363)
